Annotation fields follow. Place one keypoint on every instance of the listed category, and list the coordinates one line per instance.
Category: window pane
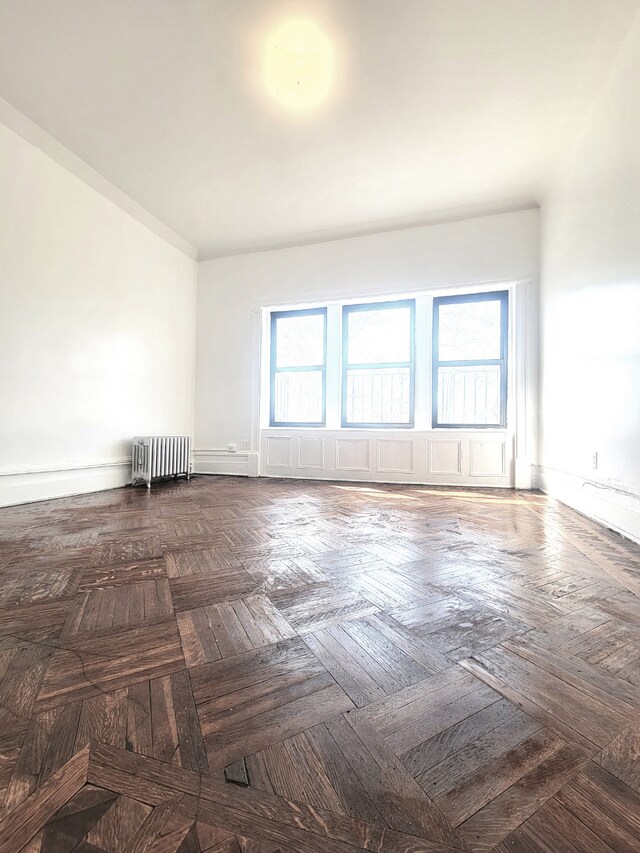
(300, 340)
(379, 336)
(469, 395)
(378, 396)
(298, 397)
(469, 330)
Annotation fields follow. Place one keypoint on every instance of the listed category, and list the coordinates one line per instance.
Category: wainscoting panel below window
(429, 457)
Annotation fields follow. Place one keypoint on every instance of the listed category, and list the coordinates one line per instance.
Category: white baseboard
(242, 464)
(616, 509)
(41, 484)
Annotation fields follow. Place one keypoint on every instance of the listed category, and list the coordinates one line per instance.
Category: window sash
(497, 296)
(311, 368)
(346, 366)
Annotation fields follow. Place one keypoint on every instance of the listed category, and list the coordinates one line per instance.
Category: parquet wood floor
(252, 666)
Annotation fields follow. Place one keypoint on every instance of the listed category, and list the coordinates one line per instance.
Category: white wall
(97, 325)
(231, 291)
(591, 309)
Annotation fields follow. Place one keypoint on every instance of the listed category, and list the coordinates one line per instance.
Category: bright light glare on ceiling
(299, 64)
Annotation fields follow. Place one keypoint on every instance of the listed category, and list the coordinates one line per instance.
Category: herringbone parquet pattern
(258, 665)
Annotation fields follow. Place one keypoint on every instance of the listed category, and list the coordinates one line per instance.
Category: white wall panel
(486, 458)
(353, 454)
(279, 451)
(445, 457)
(310, 452)
(395, 456)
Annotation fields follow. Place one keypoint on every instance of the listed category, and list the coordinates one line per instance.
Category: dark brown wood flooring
(252, 666)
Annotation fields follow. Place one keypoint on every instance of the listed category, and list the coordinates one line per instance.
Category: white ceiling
(440, 105)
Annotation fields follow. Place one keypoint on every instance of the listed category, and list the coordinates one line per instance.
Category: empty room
(319, 426)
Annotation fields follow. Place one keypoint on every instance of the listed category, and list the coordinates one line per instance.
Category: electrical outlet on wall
(232, 448)
(244, 444)
(594, 459)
